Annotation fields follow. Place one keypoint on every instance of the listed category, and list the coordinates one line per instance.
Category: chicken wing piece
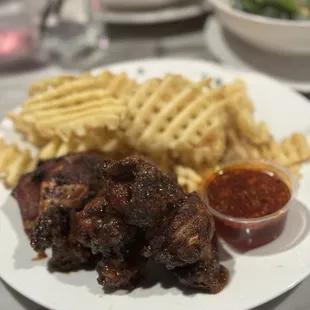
(70, 181)
(125, 269)
(119, 214)
(207, 274)
(184, 244)
(53, 230)
(139, 191)
(27, 194)
(49, 198)
(183, 234)
(102, 229)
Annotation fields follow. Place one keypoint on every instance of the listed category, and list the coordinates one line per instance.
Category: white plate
(160, 15)
(256, 277)
(232, 51)
(125, 4)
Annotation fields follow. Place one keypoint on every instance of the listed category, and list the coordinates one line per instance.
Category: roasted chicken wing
(118, 215)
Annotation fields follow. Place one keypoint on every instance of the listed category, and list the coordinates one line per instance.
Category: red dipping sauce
(249, 202)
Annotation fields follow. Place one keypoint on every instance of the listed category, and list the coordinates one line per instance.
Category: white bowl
(281, 36)
(141, 4)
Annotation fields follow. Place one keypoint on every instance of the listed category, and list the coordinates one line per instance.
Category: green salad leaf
(275, 7)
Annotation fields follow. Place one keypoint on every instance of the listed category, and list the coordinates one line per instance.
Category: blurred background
(270, 36)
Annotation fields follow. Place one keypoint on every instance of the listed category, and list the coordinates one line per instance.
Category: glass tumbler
(74, 32)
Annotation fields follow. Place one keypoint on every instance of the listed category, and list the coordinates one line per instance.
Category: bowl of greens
(281, 26)
(279, 9)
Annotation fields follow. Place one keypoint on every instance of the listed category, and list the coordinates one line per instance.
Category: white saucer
(231, 51)
(187, 10)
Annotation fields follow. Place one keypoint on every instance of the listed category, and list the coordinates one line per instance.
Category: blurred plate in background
(143, 15)
(141, 4)
(178, 11)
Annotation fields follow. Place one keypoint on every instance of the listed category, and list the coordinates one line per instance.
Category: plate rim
(197, 61)
(148, 17)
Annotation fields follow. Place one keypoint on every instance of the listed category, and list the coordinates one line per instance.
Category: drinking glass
(74, 32)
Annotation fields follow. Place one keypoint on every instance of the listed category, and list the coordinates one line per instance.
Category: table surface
(129, 42)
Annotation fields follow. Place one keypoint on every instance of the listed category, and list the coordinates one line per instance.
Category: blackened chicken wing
(118, 215)
(140, 192)
(49, 198)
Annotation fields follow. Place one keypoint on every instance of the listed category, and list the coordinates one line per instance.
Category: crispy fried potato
(183, 126)
(290, 152)
(28, 130)
(70, 105)
(117, 84)
(189, 179)
(49, 83)
(14, 162)
(186, 119)
(240, 115)
(172, 114)
(107, 113)
(95, 140)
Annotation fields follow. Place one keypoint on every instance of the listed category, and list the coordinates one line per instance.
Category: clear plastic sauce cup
(276, 189)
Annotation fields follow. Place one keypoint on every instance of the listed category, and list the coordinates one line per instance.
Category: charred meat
(118, 215)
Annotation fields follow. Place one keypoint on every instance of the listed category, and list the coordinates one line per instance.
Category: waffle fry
(255, 133)
(67, 105)
(96, 141)
(290, 152)
(14, 162)
(149, 99)
(236, 92)
(104, 113)
(189, 179)
(171, 114)
(296, 148)
(48, 83)
(205, 156)
(30, 132)
(116, 84)
(183, 126)
(241, 116)
(183, 118)
(239, 148)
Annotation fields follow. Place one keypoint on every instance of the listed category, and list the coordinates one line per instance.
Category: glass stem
(95, 21)
(94, 13)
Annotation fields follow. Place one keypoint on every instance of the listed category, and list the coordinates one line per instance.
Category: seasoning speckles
(140, 71)
(215, 81)
(218, 81)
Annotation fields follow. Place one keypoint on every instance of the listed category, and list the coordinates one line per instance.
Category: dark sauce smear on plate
(40, 256)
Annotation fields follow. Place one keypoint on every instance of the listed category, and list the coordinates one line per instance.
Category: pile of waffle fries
(185, 127)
